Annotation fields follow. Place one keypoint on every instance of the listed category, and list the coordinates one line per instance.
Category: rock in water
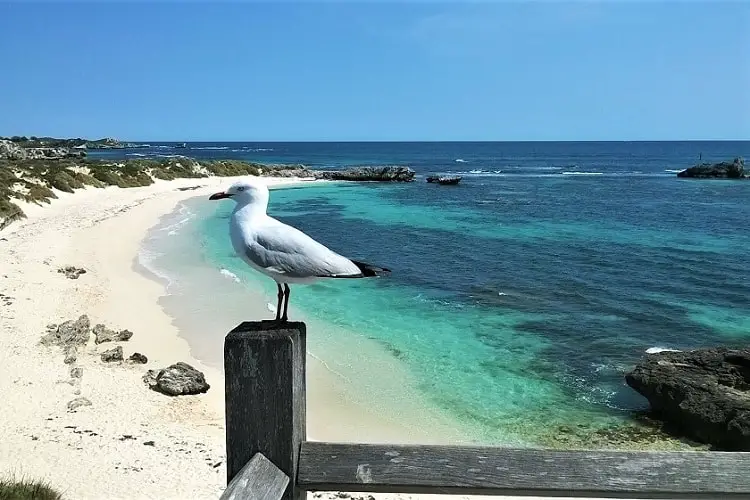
(704, 393)
(380, 174)
(112, 355)
(104, 334)
(68, 333)
(722, 170)
(176, 380)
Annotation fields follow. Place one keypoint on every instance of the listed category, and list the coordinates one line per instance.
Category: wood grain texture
(260, 479)
(264, 364)
(498, 471)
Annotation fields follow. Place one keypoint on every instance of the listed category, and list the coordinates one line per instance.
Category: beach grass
(33, 180)
(25, 489)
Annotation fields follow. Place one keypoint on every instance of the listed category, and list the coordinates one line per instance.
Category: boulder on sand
(703, 394)
(177, 379)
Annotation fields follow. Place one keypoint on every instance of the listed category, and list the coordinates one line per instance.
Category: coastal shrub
(106, 176)
(9, 212)
(11, 489)
(65, 182)
(231, 168)
(38, 193)
(87, 180)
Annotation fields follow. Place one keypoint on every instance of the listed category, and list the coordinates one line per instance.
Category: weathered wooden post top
(269, 458)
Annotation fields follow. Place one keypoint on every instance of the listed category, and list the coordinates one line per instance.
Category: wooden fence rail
(269, 458)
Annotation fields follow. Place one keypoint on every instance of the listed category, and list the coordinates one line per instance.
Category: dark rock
(177, 379)
(722, 170)
(149, 443)
(71, 272)
(68, 333)
(703, 394)
(381, 174)
(138, 358)
(112, 355)
(76, 403)
(104, 334)
(76, 372)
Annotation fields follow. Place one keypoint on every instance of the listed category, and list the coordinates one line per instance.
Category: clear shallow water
(520, 297)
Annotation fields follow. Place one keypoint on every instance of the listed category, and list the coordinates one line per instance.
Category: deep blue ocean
(519, 298)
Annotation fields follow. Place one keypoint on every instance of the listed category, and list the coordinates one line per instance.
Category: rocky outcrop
(722, 170)
(178, 379)
(703, 394)
(69, 333)
(104, 334)
(11, 151)
(380, 174)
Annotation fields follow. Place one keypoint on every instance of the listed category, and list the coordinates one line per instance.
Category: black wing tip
(370, 271)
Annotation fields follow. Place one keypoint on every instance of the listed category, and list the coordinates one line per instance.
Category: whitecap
(583, 173)
(657, 350)
(460, 160)
(672, 171)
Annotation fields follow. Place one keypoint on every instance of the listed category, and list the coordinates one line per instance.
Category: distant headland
(32, 168)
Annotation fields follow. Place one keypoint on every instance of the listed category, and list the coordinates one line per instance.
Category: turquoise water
(518, 299)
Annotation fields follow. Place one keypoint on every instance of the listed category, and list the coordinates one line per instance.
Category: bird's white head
(247, 191)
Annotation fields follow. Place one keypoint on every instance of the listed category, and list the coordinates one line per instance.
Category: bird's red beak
(219, 196)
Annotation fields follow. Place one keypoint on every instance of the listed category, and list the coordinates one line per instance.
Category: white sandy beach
(131, 442)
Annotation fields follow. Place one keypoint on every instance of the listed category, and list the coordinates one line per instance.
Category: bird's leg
(286, 302)
(280, 296)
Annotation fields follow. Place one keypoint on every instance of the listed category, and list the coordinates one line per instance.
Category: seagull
(282, 252)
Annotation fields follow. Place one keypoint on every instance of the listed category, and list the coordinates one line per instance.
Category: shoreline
(129, 436)
(342, 403)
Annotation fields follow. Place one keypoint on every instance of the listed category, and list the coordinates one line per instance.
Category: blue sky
(597, 70)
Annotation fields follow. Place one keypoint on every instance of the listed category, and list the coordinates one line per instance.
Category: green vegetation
(32, 180)
(27, 490)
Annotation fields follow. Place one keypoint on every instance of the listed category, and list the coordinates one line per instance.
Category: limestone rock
(11, 151)
(104, 334)
(368, 173)
(138, 359)
(68, 333)
(722, 170)
(112, 355)
(71, 272)
(704, 393)
(71, 354)
(76, 403)
(177, 379)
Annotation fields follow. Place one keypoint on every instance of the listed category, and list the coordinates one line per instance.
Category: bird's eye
(240, 189)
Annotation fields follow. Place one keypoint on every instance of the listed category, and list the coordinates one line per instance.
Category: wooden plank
(260, 479)
(499, 471)
(264, 364)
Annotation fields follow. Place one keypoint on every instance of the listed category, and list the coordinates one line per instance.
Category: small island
(722, 170)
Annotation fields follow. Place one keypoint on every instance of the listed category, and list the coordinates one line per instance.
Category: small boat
(444, 180)
(180, 146)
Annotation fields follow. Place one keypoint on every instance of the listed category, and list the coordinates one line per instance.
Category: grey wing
(287, 250)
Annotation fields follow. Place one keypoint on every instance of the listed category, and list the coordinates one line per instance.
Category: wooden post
(264, 366)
